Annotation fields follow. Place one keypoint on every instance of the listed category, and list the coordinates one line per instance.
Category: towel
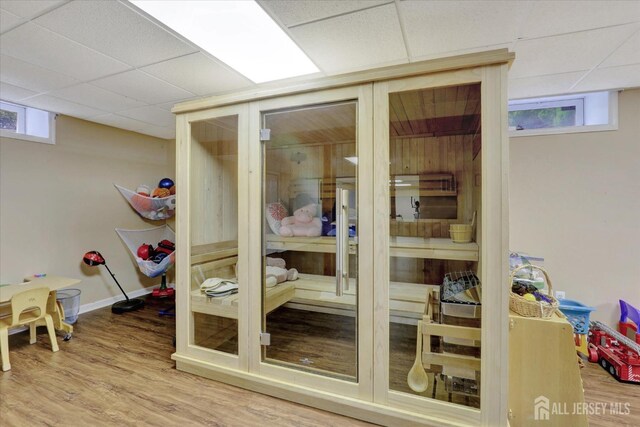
(217, 287)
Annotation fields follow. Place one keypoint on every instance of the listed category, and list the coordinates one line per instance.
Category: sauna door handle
(342, 240)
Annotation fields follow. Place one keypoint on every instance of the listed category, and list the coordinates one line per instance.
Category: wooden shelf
(433, 248)
(406, 247)
(406, 299)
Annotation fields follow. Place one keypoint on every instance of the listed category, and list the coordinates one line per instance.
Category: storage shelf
(406, 247)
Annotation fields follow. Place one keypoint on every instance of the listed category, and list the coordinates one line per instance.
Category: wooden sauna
(376, 166)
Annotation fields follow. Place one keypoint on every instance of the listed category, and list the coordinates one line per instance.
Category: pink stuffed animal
(276, 272)
(302, 223)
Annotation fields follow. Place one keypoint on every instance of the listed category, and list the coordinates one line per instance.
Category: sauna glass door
(310, 251)
(434, 287)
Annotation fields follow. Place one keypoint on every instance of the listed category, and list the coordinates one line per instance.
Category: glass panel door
(434, 286)
(310, 258)
(213, 198)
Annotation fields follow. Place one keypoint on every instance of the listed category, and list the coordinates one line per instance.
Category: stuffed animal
(302, 223)
(276, 272)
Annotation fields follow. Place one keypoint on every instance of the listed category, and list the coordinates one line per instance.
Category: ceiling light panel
(239, 33)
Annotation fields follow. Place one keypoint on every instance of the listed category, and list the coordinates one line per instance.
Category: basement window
(584, 112)
(29, 124)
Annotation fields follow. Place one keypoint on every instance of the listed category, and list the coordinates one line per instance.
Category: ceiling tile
(442, 27)
(114, 29)
(627, 54)
(23, 74)
(119, 122)
(151, 115)
(199, 74)
(127, 123)
(8, 20)
(57, 105)
(13, 93)
(93, 96)
(30, 8)
(168, 106)
(553, 84)
(559, 17)
(294, 13)
(570, 52)
(143, 87)
(355, 41)
(42, 47)
(626, 76)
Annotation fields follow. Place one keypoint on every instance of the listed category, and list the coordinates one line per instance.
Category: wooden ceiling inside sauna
(436, 112)
(443, 111)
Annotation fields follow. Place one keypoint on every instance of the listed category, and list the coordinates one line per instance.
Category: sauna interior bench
(408, 247)
(317, 293)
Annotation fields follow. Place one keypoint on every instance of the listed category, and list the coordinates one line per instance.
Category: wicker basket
(527, 308)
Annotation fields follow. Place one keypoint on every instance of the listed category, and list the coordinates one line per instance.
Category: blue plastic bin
(577, 314)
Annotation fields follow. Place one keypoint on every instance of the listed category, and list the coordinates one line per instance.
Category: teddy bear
(302, 223)
(276, 272)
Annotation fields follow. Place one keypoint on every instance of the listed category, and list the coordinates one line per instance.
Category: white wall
(58, 201)
(575, 200)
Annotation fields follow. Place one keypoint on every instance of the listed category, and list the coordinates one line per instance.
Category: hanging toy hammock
(158, 261)
(150, 207)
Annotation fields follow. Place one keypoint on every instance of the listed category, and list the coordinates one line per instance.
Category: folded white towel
(217, 287)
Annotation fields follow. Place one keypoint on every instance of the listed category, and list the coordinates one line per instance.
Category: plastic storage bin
(577, 314)
(70, 300)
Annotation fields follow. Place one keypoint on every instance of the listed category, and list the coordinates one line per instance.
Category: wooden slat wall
(214, 182)
(423, 156)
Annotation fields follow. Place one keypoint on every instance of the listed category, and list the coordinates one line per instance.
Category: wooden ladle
(417, 378)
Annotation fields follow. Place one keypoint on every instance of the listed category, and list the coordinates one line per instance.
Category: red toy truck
(615, 352)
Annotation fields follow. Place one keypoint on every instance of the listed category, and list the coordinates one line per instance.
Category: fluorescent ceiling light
(239, 33)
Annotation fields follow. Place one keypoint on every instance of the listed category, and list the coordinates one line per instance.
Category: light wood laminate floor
(117, 371)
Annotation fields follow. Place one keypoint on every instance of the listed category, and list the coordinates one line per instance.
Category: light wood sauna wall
(422, 156)
(323, 161)
(214, 182)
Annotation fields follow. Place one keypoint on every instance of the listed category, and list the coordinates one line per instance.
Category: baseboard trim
(85, 308)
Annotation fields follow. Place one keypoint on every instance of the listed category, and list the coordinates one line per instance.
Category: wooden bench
(317, 293)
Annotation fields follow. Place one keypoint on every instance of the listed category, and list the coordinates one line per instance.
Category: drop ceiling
(106, 62)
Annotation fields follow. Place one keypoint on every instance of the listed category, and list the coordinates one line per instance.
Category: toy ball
(143, 190)
(145, 251)
(529, 297)
(161, 192)
(172, 190)
(165, 183)
(171, 203)
(141, 203)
